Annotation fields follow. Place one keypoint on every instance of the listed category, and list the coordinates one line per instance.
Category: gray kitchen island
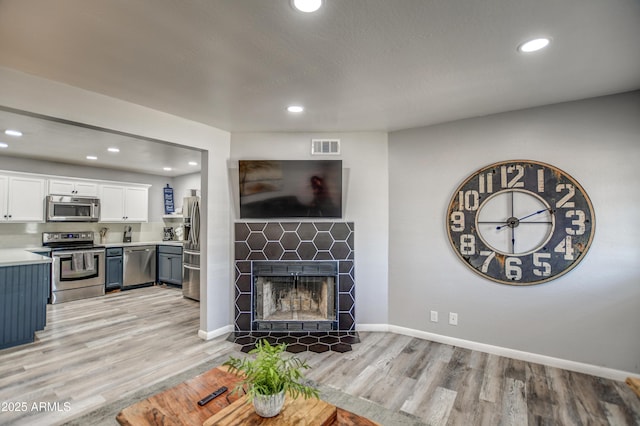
(24, 289)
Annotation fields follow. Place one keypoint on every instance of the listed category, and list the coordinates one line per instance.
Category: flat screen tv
(290, 189)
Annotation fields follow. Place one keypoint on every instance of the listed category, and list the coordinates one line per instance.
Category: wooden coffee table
(179, 406)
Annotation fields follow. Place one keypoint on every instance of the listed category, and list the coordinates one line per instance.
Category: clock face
(520, 222)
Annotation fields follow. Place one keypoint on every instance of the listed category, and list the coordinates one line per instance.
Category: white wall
(590, 315)
(365, 185)
(46, 97)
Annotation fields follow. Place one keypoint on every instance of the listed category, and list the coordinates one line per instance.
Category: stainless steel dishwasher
(139, 266)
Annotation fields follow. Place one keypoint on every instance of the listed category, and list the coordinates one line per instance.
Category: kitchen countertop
(142, 243)
(25, 255)
(17, 256)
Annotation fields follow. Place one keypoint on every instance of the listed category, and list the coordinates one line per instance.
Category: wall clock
(520, 222)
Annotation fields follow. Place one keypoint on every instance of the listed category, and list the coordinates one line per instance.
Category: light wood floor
(95, 351)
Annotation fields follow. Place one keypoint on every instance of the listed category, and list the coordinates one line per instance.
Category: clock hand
(534, 213)
(513, 240)
(513, 222)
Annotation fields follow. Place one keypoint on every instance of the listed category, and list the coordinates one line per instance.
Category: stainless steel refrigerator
(191, 250)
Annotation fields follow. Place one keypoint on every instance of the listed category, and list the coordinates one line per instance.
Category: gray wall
(182, 186)
(589, 315)
(365, 197)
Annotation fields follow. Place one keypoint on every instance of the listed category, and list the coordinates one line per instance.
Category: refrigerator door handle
(195, 224)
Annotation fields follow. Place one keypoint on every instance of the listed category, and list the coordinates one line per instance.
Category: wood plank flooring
(95, 351)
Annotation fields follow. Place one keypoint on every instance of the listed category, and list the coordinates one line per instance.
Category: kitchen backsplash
(30, 234)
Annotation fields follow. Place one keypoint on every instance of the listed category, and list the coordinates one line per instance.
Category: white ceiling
(356, 65)
(57, 140)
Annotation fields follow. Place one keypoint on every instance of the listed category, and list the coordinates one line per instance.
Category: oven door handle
(72, 252)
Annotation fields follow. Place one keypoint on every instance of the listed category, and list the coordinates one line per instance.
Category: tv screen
(290, 188)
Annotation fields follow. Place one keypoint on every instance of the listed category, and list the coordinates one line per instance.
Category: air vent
(325, 146)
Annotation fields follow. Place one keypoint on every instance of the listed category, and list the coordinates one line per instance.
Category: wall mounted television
(290, 189)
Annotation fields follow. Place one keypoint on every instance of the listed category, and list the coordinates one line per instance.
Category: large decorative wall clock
(520, 222)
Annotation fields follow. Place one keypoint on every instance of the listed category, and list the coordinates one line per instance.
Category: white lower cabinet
(121, 203)
(22, 198)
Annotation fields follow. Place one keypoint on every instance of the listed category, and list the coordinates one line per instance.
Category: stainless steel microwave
(67, 208)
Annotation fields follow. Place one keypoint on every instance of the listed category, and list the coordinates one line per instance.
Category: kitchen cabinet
(120, 203)
(113, 268)
(22, 198)
(24, 290)
(170, 265)
(73, 187)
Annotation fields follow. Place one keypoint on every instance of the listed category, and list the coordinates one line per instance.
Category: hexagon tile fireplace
(295, 284)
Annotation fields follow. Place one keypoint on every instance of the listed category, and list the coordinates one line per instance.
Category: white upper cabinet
(124, 203)
(4, 192)
(136, 204)
(111, 203)
(22, 198)
(80, 188)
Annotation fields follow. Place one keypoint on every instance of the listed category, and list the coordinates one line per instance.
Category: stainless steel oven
(78, 267)
(65, 208)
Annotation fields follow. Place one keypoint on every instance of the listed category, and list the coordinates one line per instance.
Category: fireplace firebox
(294, 296)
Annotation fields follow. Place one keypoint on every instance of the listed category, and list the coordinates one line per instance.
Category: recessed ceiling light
(91, 157)
(3, 145)
(12, 132)
(534, 45)
(166, 169)
(307, 6)
(193, 163)
(295, 108)
(113, 149)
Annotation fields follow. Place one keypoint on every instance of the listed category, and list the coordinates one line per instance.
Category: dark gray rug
(106, 415)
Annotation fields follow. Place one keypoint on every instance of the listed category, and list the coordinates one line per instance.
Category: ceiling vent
(325, 146)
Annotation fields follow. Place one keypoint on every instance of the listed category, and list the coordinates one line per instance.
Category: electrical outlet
(434, 316)
(453, 318)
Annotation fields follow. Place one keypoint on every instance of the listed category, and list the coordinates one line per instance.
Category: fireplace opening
(294, 298)
(294, 295)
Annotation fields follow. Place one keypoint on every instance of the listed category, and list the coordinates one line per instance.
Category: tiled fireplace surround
(295, 241)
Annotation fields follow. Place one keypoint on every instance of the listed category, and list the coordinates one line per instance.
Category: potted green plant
(270, 376)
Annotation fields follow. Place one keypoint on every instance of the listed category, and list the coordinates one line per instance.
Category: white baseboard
(373, 327)
(579, 367)
(208, 335)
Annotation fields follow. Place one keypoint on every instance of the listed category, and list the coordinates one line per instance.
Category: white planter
(268, 405)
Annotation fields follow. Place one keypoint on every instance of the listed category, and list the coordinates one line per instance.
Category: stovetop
(68, 239)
